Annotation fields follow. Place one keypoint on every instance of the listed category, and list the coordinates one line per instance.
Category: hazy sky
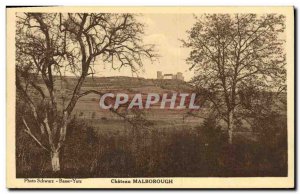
(163, 30)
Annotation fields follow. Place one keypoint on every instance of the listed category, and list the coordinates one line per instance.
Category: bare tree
(234, 52)
(50, 44)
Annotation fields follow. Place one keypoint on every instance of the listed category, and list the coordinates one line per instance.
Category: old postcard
(150, 97)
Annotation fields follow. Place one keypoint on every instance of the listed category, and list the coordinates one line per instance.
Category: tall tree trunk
(55, 154)
(230, 127)
(55, 161)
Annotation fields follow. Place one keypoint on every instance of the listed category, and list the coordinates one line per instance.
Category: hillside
(88, 106)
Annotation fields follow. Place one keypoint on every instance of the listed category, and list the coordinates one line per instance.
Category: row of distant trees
(229, 54)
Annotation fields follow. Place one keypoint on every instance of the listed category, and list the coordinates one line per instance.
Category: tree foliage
(232, 53)
(52, 45)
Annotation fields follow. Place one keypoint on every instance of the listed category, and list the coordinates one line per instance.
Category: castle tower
(179, 76)
(160, 75)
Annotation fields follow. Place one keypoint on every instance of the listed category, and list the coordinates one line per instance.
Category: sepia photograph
(166, 97)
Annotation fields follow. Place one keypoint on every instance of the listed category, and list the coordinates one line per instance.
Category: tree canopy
(232, 53)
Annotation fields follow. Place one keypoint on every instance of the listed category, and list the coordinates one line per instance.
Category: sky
(163, 30)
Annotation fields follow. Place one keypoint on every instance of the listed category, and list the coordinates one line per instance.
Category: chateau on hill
(178, 76)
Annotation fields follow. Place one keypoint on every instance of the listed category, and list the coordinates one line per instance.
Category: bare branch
(28, 131)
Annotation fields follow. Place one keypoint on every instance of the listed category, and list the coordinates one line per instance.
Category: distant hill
(123, 84)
